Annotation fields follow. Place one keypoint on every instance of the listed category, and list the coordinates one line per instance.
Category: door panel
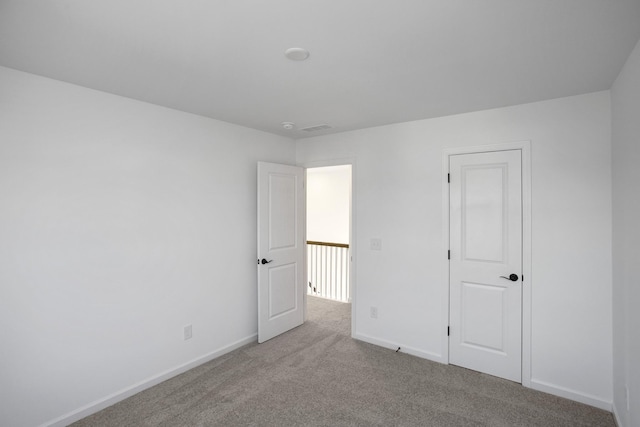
(483, 316)
(282, 211)
(486, 243)
(281, 245)
(283, 290)
(483, 215)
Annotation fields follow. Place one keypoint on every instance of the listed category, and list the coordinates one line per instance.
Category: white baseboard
(116, 397)
(571, 394)
(535, 384)
(403, 349)
(616, 417)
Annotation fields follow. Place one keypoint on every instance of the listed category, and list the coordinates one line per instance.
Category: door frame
(525, 148)
(352, 230)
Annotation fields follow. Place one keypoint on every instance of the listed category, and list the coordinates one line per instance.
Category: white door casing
(280, 249)
(486, 243)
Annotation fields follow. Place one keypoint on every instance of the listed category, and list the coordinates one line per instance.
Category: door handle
(264, 261)
(512, 277)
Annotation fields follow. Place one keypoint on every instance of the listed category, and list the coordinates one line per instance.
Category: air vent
(316, 128)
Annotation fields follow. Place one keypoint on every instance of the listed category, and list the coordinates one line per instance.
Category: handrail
(335, 245)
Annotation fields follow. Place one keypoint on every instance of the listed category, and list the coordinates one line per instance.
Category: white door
(280, 249)
(486, 262)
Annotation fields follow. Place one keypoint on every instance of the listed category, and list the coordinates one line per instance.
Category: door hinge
(449, 254)
(449, 178)
(448, 331)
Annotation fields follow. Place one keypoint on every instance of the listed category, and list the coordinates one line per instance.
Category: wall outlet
(188, 332)
(374, 312)
(376, 244)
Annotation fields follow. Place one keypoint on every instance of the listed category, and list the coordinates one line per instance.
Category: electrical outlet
(376, 244)
(188, 332)
(374, 312)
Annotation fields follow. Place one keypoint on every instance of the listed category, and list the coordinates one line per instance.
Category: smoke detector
(288, 125)
(296, 54)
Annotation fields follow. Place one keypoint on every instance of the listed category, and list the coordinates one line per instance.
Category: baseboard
(571, 395)
(616, 417)
(403, 349)
(116, 397)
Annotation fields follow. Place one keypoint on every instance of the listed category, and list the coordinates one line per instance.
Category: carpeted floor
(317, 375)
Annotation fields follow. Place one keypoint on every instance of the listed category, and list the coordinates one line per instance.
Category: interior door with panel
(485, 196)
(280, 249)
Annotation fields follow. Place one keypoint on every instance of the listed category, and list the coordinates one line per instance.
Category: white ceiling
(372, 62)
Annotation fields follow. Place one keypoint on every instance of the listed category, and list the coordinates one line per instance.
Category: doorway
(328, 195)
(281, 260)
(487, 194)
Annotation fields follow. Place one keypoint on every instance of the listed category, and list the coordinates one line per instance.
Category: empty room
(156, 263)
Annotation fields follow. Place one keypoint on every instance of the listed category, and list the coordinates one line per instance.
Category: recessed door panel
(483, 211)
(282, 211)
(283, 290)
(483, 316)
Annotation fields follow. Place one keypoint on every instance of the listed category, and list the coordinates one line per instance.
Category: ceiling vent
(316, 128)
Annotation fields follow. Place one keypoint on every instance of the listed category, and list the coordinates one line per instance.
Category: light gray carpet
(316, 375)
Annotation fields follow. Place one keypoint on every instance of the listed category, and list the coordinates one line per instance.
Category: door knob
(264, 261)
(512, 277)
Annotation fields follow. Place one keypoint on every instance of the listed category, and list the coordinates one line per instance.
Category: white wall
(398, 183)
(120, 223)
(625, 96)
(328, 201)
